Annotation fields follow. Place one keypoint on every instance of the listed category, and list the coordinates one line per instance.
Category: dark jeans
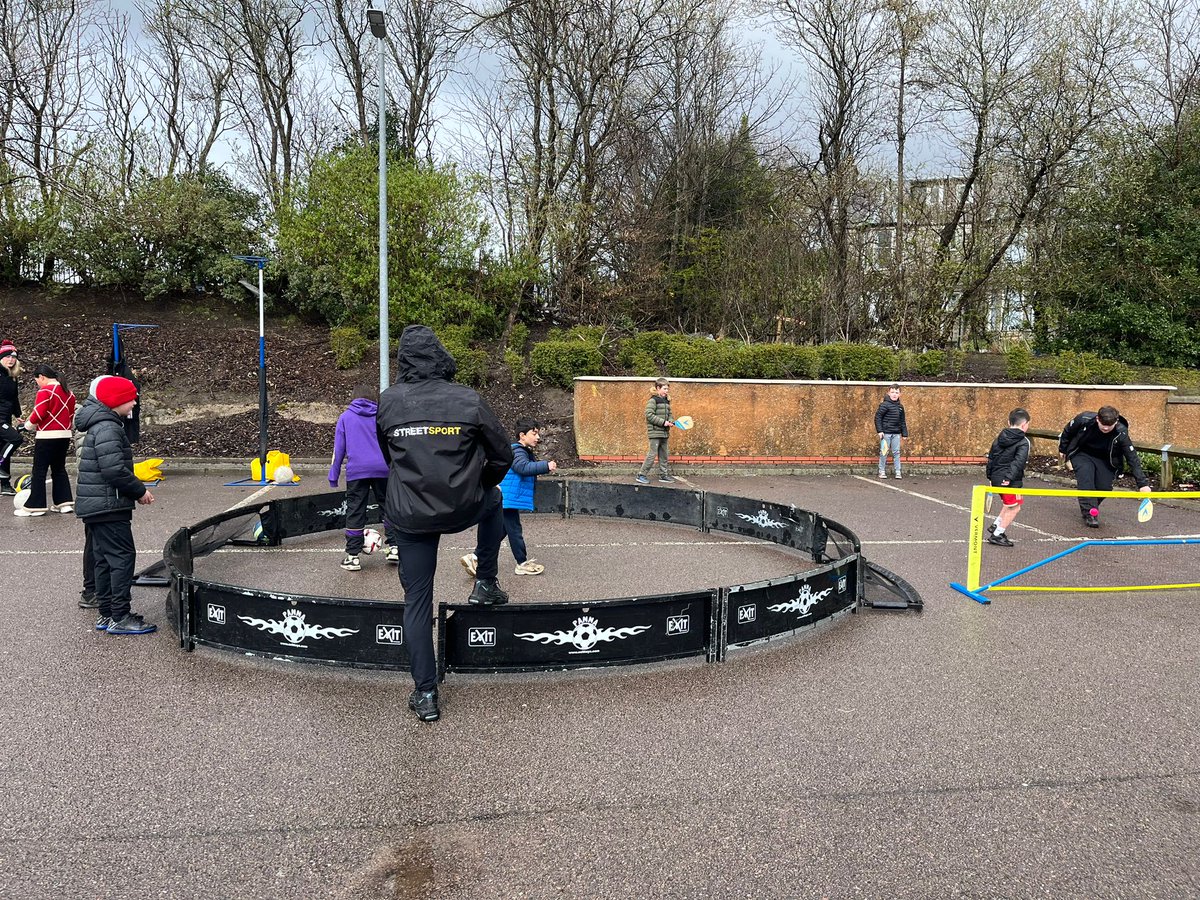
(1091, 473)
(116, 556)
(418, 563)
(516, 536)
(358, 497)
(49, 454)
(89, 562)
(10, 440)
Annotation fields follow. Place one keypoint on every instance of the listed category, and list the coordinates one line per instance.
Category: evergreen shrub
(348, 346)
(560, 362)
(930, 363)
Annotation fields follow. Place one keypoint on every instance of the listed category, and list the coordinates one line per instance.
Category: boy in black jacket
(890, 427)
(446, 453)
(1096, 443)
(106, 495)
(1006, 468)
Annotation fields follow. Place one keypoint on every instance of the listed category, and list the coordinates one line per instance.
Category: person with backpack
(1097, 445)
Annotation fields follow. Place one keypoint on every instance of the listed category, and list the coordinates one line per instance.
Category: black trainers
(1091, 521)
(992, 528)
(665, 479)
(102, 623)
(88, 600)
(131, 624)
(6, 489)
(1000, 540)
(424, 705)
(487, 592)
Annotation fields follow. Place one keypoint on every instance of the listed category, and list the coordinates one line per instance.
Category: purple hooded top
(355, 441)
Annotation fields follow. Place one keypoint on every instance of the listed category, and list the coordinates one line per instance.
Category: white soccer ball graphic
(284, 475)
(372, 540)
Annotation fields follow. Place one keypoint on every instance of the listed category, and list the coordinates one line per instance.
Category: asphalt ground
(1041, 746)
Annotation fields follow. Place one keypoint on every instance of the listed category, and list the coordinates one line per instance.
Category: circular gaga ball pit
(671, 619)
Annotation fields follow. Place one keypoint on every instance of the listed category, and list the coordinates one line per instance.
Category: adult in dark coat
(446, 454)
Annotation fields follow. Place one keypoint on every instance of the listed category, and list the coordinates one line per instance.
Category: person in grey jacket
(105, 498)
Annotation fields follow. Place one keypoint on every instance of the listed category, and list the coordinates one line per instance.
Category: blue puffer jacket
(106, 481)
(521, 479)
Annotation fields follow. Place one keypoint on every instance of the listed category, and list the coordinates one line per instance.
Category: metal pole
(384, 350)
(262, 379)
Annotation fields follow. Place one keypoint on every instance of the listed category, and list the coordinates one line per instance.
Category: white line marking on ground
(879, 482)
(246, 501)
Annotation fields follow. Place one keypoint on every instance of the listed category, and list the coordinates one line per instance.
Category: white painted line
(879, 482)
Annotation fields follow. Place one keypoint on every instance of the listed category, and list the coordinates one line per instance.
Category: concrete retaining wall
(805, 422)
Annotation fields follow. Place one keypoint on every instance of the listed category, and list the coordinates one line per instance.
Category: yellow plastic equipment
(148, 471)
(275, 459)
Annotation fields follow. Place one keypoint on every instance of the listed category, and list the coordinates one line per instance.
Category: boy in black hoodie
(1006, 468)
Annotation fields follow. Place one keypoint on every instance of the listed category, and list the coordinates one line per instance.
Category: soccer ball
(21, 499)
(372, 540)
(23, 482)
(283, 475)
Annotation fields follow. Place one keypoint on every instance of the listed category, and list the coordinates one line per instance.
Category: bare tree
(844, 46)
(189, 74)
(1169, 83)
(47, 51)
(1030, 85)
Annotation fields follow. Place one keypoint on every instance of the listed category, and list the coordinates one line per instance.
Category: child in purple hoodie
(356, 443)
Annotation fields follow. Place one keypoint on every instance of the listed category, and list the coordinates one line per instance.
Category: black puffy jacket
(107, 485)
(889, 418)
(1006, 460)
(445, 447)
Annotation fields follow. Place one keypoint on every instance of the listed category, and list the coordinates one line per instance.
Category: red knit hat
(6, 347)
(115, 390)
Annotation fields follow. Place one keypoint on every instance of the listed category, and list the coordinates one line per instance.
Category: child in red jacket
(52, 419)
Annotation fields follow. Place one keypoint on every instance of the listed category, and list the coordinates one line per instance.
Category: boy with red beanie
(105, 498)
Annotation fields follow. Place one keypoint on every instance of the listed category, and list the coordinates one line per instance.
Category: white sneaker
(26, 512)
(529, 567)
(351, 563)
(64, 508)
(393, 555)
(470, 562)
(897, 474)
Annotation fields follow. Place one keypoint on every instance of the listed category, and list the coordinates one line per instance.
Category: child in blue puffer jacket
(517, 488)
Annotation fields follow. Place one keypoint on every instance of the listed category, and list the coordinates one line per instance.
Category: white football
(372, 540)
(21, 499)
(284, 475)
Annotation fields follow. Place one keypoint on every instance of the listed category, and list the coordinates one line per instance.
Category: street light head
(377, 22)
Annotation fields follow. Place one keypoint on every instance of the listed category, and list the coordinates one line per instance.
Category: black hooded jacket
(444, 446)
(10, 401)
(1083, 435)
(1006, 460)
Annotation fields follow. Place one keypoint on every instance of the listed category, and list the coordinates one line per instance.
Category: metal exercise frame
(534, 636)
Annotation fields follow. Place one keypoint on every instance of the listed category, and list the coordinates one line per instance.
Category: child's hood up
(361, 406)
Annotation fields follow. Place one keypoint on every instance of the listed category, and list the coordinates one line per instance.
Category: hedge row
(584, 350)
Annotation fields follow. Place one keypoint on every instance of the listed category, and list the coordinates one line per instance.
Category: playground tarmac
(1041, 746)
